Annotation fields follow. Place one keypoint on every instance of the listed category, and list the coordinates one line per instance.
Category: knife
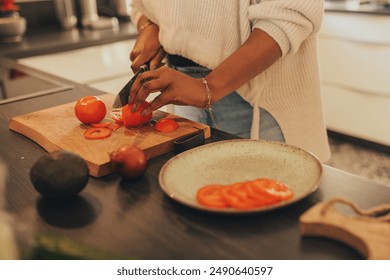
(122, 98)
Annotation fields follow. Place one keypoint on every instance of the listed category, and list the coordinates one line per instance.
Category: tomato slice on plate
(210, 196)
(271, 189)
(237, 197)
(97, 133)
(259, 195)
(166, 125)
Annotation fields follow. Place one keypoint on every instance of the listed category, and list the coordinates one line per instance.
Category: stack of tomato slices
(244, 195)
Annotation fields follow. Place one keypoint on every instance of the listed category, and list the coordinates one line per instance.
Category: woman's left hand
(174, 87)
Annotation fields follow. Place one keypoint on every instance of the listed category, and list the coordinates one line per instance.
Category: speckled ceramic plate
(231, 161)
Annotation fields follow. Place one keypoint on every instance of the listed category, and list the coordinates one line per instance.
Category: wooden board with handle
(58, 128)
(367, 231)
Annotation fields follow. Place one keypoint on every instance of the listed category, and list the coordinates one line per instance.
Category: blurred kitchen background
(89, 41)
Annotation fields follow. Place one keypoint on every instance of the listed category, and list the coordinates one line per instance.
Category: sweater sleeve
(288, 22)
(135, 14)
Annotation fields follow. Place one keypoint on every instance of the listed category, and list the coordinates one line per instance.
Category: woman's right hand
(147, 47)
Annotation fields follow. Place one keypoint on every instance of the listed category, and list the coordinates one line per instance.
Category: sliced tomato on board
(94, 133)
(166, 125)
(101, 124)
(114, 126)
(117, 118)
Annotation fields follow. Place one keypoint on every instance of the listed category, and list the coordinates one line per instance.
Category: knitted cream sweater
(209, 31)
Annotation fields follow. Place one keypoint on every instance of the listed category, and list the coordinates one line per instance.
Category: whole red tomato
(90, 109)
(130, 118)
(129, 162)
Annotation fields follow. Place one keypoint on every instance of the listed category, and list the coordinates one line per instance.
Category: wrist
(208, 102)
(216, 87)
(144, 23)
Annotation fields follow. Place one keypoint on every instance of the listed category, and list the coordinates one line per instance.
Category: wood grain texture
(370, 236)
(58, 128)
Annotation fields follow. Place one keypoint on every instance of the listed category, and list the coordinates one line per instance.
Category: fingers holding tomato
(132, 118)
(174, 87)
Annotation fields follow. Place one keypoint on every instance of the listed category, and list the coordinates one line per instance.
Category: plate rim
(232, 211)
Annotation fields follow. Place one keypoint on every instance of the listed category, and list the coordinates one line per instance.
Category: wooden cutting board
(367, 231)
(58, 128)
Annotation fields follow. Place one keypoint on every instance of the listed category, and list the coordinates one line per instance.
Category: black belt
(180, 61)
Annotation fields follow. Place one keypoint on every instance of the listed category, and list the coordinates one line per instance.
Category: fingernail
(144, 113)
(133, 108)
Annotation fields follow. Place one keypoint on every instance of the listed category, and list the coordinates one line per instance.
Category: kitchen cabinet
(87, 65)
(105, 67)
(354, 52)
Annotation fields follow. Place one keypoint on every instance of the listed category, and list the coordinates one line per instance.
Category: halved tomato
(131, 119)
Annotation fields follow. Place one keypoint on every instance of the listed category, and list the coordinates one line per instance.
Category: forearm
(258, 53)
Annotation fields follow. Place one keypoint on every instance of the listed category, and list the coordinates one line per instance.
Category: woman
(248, 67)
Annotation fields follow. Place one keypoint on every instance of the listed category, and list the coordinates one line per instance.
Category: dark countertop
(137, 220)
(52, 39)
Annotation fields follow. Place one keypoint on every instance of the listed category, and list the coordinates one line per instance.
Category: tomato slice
(256, 193)
(117, 118)
(97, 133)
(101, 124)
(166, 125)
(271, 189)
(114, 126)
(237, 197)
(210, 196)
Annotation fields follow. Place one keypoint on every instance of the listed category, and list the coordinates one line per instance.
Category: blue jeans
(231, 114)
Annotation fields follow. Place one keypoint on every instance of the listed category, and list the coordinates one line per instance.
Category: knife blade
(122, 98)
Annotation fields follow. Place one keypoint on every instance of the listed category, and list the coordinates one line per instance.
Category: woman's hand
(175, 87)
(147, 48)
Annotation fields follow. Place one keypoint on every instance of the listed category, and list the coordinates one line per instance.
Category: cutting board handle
(379, 213)
(368, 231)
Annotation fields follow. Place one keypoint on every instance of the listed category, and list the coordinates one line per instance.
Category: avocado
(59, 175)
